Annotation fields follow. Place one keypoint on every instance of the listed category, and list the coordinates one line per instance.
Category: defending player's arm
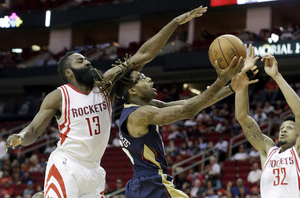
(29, 134)
(293, 100)
(251, 129)
(152, 47)
(147, 115)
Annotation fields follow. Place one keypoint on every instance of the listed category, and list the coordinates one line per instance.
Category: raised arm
(152, 47)
(49, 108)
(293, 100)
(147, 115)
(251, 129)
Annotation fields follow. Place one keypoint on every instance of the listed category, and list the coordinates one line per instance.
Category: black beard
(85, 76)
(281, 142)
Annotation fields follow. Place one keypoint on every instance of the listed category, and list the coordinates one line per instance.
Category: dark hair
(290, 117)
(122, 80)
(64, 64)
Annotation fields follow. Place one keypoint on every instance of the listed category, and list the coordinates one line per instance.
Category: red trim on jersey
(146, 159)
(55, 173)
(66, 105)
(74, 88)
(272, 153)
(108, 106)
(297, 165)
(167, 193)
(65, 134)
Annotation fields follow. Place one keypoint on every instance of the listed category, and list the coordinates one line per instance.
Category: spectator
(193, 175)
(165, 132)
(171, 148)
(210, 126)
(6, 178)
(217, 185)
(169, 161)
(51, 61)
(180, 179)
(222, 147)
(224, 112)
(278, 108)
(225, 189)
(215, 167)
(26, 177)
(116, 141)
(270, 91)
(186, 188)
(36, 166)
(203, 115)
(259, 116)
(254, 154)
(119, 185)
(184, 149)
(268, 108)
(50, 147)
(174, 132)
(239, 184)
(209, 190)
(197, 191)
(7, 190)
(106, 190)
(286, 35)
(16, 178)
(29, 190)
(242, 193)
(202, 144)
(255, 174)
(254, 192)
(112, 55)
(39, 61)
(241, 154)
(2, 153)
(211, 194)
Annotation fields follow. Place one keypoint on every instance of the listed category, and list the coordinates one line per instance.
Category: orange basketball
(224, 48)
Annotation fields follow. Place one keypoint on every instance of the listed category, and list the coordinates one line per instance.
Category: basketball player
(140, 134)
(280, 163)
(82, 108)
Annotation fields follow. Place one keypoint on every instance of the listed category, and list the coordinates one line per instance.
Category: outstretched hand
(241, 80)
(271, 65)
(13, 141)
(250, 59)
(198, 12)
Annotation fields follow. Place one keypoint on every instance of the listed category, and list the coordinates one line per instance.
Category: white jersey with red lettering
(281, 174)
(84, 124)
(73, 169)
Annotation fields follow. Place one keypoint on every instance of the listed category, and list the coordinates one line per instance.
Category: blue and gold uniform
(146, 154)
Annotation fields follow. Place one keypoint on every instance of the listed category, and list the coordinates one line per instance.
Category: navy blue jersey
(146, 153)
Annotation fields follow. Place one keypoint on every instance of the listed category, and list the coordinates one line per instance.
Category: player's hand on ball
(241, 80)
(227, 74)
(198, 12)
(13, 141)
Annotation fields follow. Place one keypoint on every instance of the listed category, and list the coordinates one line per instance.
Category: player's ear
(132, 91)
(68, 73)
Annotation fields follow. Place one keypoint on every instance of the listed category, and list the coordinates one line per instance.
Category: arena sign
(10, 21)
(283, 48)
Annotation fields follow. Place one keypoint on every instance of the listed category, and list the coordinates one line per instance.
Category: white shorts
(68, 177)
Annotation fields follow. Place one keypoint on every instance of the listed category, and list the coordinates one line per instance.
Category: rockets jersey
(84, 124)
(146, 153)
(281, 175)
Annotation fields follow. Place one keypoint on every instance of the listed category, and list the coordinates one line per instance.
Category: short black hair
(64, 64)
(290, 117)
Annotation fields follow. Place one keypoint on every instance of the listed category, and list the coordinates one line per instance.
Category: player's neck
(82, 88)
(284, 148)
(139, 101)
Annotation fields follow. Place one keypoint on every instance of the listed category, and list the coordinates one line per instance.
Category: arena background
(104, 30)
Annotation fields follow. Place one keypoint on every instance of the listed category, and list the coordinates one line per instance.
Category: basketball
(224, 48)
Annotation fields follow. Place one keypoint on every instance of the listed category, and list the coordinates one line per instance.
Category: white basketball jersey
(281, 174)
(84, 124)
